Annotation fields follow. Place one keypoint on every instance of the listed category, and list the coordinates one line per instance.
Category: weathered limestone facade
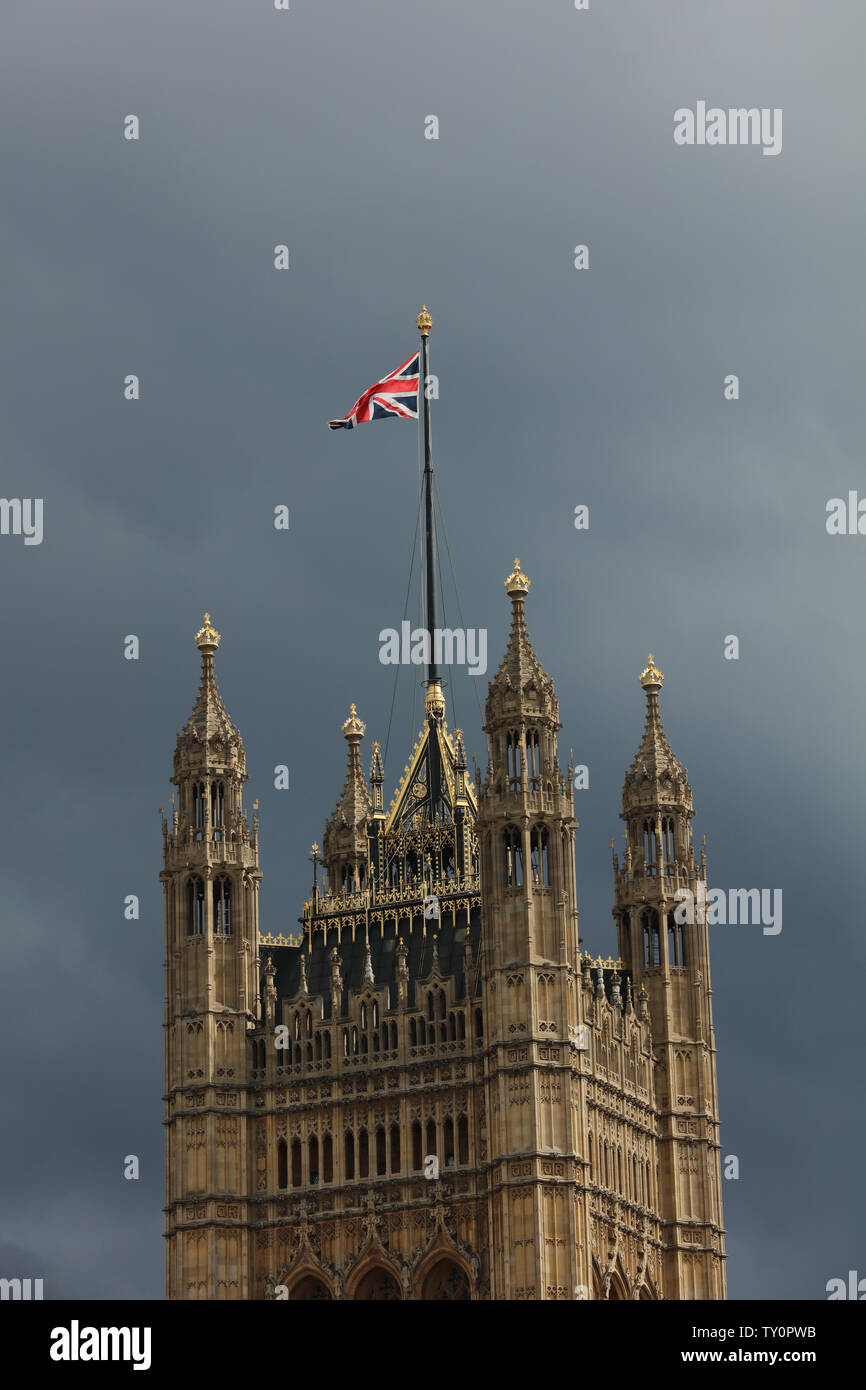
(431, 1093)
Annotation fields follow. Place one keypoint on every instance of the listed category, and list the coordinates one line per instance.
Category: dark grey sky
(557, 387)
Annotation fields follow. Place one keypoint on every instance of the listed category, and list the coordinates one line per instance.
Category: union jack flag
(395, 395)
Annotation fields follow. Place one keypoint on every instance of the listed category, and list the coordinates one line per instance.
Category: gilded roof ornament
(651, 677)
(517, 582)
(354, 727)
(207, 637)
(424, 321)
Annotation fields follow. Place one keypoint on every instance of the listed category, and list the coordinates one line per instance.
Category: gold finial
(314, 850)
(354, 727)
(207, 638)
(434, 700)
(651, 678)
(424, 321)
(517, 582)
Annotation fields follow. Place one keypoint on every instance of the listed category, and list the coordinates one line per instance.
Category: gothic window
(314, 1161)
(327, 1159)
(309, 1052)
(681, 933)
(282, 1164)
(449, 1143)
(363, 1155)
(375, 1042)
(349, 1155)
(297, 1025)
(222, 906)
(512, 751)
(363, 1015)
(589, 1153)
(355, 1041)
(375, 1015)
(195, 906)
(413, 1033)
(673, 953)
(452, 1026)
(422, 1032)
(309, 1023)
(461, 1026)
(446, 1280)
(443, 1037)
(393, 1035)
(328, 1046)
(668, 843)
(533, 766)
(381, 1164)
(431, 1137)
(296, 1163)
(462, 1140)
(417, 1155)
(649, 846)
(217, 809)
(318, 1047)
(345, 1042)
(649, 922)
(395, 1148)
(538, 852)
(479, 1023)
(513, 849)
(199, 808)
(441, 1004)
(430, 1005)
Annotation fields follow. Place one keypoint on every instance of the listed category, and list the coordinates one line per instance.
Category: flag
(395, 395)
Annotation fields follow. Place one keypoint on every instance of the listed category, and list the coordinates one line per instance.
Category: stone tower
(429, 1092)
(210, 879)
(665, 947)
(533, 1006)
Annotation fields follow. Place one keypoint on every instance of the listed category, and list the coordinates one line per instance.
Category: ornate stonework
(432, 1093)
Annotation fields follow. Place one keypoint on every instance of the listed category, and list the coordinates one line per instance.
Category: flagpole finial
(424, 321)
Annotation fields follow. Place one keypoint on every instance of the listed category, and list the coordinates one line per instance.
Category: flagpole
(435, 700)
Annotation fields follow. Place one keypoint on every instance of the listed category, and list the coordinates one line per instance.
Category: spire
(345, 832)
(209, 718)
(655, 774)
(521, 679)
(369, 978)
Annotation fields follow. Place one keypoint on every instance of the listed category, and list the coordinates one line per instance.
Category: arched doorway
(309, 1288)
(377, 1283)
(445, 1280)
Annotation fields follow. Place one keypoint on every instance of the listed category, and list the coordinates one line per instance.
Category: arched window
(327, 1159)
(318, 1047)
(462, 1140)
(309, 1023)
(282, 1164)
(222, 906)
(431, 1137)
(441, 1004)
(195, 906)
(461, 1026)
(430, 1005)
(417, 1155)
(649, 922)
(452, 1026)
(363, 1155)
(395, 1148)
(393, 1035)
(349, 1155)
(375, 1015)
(296, 1163)
(479, 1023)
(328, 1046)
(538, 853)
(512, 844)
(512, 753)
(649, 846)
(533, 765)
(199, 808)
(413, 1033)
(381, 1163)
(449, 1143)
(314, 1161)
(668, 843)
(363, 1015)
(217, 809)
(589, 1153)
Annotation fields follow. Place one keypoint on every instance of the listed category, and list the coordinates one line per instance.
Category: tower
(533, 1004)
(660, 893)
(210, 878)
